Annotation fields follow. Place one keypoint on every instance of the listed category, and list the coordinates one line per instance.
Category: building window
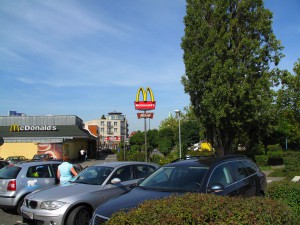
(115, 130)
(115, 123)
(102, 129)
(102, 123)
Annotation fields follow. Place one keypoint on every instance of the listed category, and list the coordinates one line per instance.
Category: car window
(94, 175)
(124, 173)
(239, 170)
(40, 171)
(220, 175)
(144, 170)
(185, 178)
(250, 167)
(10, 172)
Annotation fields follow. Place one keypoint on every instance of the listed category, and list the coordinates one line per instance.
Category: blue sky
(88, 58)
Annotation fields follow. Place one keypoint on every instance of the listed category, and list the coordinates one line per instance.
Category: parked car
(230, 175)
(16, 159)
(37, 157)
(3, 163)
(17, 180)
(74, 203)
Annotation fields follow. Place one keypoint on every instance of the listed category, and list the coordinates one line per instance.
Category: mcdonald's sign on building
(145, 104)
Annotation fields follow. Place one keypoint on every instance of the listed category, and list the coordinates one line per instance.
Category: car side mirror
(116, 180)
(215, 188)
(140, 181)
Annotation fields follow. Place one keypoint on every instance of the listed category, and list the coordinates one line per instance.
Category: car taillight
(12, 185)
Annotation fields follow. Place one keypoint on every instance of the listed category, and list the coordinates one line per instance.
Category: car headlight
(52, 205)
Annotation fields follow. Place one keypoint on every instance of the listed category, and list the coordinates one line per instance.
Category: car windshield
(9, 172)
(94, 175)
(175, 178)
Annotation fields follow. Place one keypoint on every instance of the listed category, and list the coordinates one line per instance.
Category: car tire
(19, 205)
(79, 216)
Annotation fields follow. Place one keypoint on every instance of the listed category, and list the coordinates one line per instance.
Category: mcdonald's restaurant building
(61, 136)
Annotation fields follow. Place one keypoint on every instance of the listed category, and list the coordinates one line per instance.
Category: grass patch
(282, 173)
(265, 168)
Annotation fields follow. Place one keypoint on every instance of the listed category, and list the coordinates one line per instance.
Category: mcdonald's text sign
(145, 104)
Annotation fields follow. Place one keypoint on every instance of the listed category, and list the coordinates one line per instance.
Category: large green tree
(288, 108)
(228, 47)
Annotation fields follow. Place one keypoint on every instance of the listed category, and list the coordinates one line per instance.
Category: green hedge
(207, 209)
(261, 160)
(291, 161)
(287, 192)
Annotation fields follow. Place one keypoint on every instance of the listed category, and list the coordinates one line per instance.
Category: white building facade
(110, 130)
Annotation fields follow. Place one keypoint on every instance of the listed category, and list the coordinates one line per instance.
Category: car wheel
(260, 194)
(20, 203)
(79, 216)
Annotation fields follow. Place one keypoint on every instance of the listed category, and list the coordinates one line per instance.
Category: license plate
(27, 215)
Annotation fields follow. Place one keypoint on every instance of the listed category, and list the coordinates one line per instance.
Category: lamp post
(124, 136)
(178, 115)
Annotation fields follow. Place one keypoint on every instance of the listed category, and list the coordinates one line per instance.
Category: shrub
(287, 192)
(275, 154)
(200, 153)
(258, 149)
(194, 208)
(291, 161)
(261, 160)
(274, 148)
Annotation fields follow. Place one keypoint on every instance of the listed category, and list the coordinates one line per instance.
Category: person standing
(82, 154)
(65, 172)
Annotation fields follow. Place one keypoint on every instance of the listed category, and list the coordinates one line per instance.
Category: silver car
(18, 180)
(73, 203)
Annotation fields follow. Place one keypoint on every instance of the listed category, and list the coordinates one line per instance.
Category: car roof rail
(231, 156)
(193, 157)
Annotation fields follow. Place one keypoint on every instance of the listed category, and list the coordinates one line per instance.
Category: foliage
(275, 154)
(162, 160)
(189, 134)
(152, 138)
(137, 140)
(194, 208)
(291, 162)
(288, 105)
(166, 140)
(286, 192)
(228, 46)
(200, 153)
(261, 160)
(274, 148)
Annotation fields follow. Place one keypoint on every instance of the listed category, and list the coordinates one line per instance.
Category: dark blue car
(229, 175)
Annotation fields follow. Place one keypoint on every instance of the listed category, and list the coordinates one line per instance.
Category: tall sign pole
(145, 105)
(145, 129)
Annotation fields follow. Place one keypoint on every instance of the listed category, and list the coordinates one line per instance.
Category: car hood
(130, 200)
(63, 192)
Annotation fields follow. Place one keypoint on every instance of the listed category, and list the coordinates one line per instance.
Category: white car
(74, 203)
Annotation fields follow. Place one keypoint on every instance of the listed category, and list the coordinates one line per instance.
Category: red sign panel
(145, 115)
(144, 105)
(113, 138)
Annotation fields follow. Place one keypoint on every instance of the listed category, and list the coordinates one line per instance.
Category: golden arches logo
(14, 128)
(144, 94)
(145, 104)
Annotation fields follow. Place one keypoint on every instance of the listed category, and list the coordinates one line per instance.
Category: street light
(177, 111)
(124, 136)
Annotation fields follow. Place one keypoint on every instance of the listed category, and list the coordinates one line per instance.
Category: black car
(16, 159)
(39, 157)
(3, 163)
(230, 175)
